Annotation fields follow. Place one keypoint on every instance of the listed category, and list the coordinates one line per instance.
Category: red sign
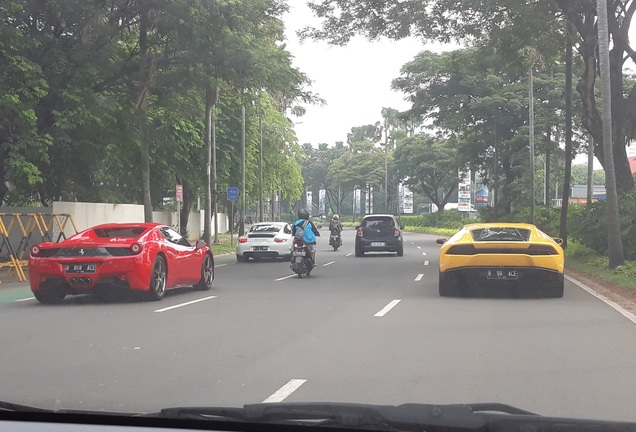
(179, 191)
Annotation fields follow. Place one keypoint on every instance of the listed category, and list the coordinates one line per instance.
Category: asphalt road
(369, 329)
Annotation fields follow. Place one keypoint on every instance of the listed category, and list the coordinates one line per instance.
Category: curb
(611, 303)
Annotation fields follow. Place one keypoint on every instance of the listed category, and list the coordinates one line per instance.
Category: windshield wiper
(407, 417)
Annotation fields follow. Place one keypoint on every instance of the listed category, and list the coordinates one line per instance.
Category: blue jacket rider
(311, 232)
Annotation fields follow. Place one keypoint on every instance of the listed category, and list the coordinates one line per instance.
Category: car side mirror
(558, 240)
(402, 227)
(357, 227)
(200, 244)
(440, 241)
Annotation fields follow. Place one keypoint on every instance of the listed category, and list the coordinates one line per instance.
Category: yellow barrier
(32, 228)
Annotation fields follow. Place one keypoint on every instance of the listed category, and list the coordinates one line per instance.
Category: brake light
(462, 250)
(136, 248)
(396, 232)
(35, 250)
(280, 240)
(242, 239)
(541, 250)
(359, 232)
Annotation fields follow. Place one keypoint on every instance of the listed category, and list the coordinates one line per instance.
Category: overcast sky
(355, 80)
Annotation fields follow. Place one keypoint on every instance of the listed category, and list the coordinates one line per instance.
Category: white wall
(86, 215)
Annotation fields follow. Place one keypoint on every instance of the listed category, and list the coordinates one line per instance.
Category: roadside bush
(589, 227)
(577, 250)
(451, 219)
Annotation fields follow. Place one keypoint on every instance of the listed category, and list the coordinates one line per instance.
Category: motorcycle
(301, 262)
(335, 240)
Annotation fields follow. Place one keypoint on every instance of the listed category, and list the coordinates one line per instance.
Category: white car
(265, 240)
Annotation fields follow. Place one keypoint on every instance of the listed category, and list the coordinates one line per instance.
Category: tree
(511, 25)
(428, 165)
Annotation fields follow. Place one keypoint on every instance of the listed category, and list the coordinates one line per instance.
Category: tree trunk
(145, 72)
(546, 174)
(563, 223)
(209, 104)
(186, 206)
(615, 243)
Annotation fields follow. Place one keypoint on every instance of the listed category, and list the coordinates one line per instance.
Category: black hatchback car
(379, 233)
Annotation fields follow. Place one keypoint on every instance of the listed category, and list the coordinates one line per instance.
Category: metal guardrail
(19, 231)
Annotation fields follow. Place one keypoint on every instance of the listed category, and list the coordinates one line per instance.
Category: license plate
(298, 253)
(80, 268)
(502, 274)
(377, 244)
(260, 248)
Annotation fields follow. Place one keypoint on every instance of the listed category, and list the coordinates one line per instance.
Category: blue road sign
(232, 194)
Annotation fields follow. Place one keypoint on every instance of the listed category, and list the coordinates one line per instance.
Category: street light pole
(260, 170)
(242, 226)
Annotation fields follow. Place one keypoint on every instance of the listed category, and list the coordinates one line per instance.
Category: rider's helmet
(303, 214)
(336, 217)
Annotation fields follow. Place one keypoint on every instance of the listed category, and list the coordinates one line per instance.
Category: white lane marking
(387, 308)
(425, 262)
(185, 304)
(25, 299)
(329, 263)
(283, 393)
(285, 277)
(349, 254)
(412, 243)
(220, 265)
(423, 253)
(419, 277)
(419, 247)
(627, 314)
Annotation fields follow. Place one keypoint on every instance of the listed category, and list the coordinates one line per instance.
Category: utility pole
(531, 121)
(260, 170)
(590, 168)
(243, 192)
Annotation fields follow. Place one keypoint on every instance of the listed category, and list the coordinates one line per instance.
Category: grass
(588, 261)
(446, 232)
(224, 246)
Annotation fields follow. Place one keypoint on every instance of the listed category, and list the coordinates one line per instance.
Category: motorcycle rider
(335, 227)
(311, 232)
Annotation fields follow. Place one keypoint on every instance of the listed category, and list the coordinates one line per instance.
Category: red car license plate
(502, 274)
(80, 268)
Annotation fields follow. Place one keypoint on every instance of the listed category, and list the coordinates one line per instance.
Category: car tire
(400, 251)
(158, 276)
(51, 295)
(445, 290)
(359, 252)
(242, 258)
(207, 273)
(555, 290)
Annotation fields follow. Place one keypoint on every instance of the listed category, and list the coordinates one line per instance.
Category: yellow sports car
(500, 255)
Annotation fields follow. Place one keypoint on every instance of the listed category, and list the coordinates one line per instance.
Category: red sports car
(138, 256)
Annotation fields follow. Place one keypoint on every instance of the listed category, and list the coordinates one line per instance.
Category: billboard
(464, 191)
(309, 201)
(405, 200)
(321, 201)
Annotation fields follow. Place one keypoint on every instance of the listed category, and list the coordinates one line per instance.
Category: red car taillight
(242, 239)
(280, 240)
(396, 232)
(359, 232)
(136, 248)
(35, 250)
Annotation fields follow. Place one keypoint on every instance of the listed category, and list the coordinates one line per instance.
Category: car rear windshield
(122, 232)
(378, 222)
(500, 234)
(264, 228)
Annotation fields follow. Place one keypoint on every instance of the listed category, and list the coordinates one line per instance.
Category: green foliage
(589, 227)
(449, 219)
